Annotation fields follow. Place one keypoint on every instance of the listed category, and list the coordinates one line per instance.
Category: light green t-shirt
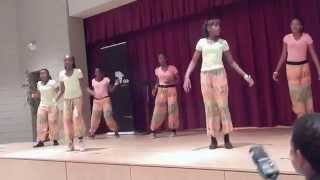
(212, 53)
(71, 84)
(47, 92)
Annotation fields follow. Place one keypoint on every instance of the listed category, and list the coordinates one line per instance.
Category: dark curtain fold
(144, 14)
(254, 30)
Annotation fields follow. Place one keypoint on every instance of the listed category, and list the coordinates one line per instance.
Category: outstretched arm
(314, 58)
(61, 91)
(237, 68)
(191, 67)
(281, 61)
(114, 87)
(90, 91)
(155, 88)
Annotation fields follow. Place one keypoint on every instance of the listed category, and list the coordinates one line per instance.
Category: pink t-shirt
(297, 49)
(166, 77)
(101, 89)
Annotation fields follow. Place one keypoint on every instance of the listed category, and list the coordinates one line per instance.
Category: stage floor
(189, 150)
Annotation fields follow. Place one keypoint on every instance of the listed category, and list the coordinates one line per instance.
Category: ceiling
(87, 8)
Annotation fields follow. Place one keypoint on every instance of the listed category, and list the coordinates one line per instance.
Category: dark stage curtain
(144, 14)
(254, 30)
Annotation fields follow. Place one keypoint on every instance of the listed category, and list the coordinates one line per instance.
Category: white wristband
(246, 77)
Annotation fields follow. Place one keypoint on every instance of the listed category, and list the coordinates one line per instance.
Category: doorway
(33, 78)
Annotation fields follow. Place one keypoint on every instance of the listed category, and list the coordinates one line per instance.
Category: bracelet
(276, 72)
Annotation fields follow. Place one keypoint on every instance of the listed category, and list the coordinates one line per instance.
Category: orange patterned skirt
(299, 81)
(166, 107)
(214, 87)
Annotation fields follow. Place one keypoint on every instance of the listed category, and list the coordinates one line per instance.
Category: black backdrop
(115, 65)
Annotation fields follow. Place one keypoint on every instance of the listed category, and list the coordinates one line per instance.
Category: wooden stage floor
(138, 157)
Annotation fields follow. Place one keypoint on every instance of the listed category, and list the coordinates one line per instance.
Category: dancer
(47, 115)
(166, 103)
(214, 85)
(71, 85)
(102, 102)
(305, 145)
(294, 53)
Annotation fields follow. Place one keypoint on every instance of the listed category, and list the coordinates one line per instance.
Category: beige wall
(78, 49)
(15, 124)
(47, 23)
(86, 8)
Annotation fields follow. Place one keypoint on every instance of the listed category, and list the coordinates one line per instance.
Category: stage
(138, 157)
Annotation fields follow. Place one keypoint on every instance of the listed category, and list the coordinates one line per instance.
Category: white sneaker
(70, 147)
(173, 134)
(153, 135)
(82, 146)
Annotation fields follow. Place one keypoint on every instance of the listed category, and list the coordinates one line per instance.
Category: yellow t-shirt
(47, 92)
(71, 84)
(212, 53)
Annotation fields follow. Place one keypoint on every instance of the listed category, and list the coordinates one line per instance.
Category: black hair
(206, 24)
(163, 54)
(101, 68)
(73, 60)
(47, 71)
(306, 138)
(300, 20)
